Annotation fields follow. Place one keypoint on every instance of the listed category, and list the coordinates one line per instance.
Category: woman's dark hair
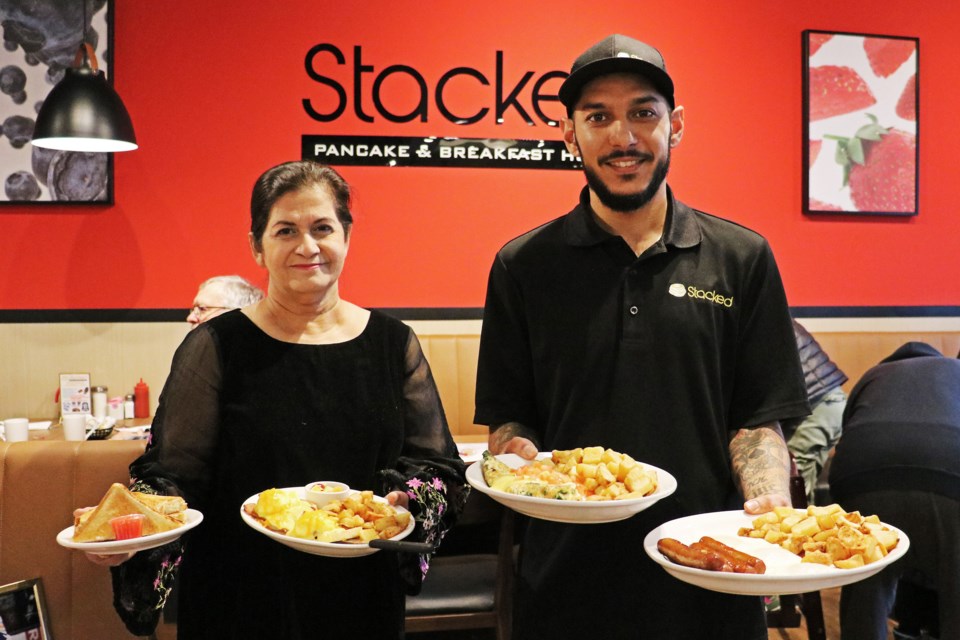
(292, 176)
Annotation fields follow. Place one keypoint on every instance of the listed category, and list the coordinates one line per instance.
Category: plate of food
(471, 452)
(581, 486)
(128, 521)
(799, 550)
(345, 528)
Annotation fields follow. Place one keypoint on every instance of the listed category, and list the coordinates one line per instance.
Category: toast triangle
(119, 501)
(167, 505)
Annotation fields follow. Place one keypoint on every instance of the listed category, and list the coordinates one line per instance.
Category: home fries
(589, 473)
(825, 535)
(357, 519)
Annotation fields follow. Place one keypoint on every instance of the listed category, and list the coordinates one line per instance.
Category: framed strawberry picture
(860, 123)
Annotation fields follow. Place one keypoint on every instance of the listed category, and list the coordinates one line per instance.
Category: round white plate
(785, 572)
(470, 452)
(315, 547)
(112, 547)
(574, 512)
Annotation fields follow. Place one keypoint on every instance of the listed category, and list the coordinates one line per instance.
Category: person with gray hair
(219, 294)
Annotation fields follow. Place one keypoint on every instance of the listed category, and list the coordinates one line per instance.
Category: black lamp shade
(83, 113)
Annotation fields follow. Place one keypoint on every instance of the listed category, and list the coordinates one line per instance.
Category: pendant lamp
(83, 112)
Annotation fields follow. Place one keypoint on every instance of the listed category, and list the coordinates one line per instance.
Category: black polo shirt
(661, 356)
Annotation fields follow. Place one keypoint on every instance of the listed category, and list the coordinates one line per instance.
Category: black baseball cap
(615, 54)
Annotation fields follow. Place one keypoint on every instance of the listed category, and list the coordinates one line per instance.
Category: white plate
(111, 547)
(575, 512)
(140, 429)
(785, 572)
(470, 452)
(315, 547)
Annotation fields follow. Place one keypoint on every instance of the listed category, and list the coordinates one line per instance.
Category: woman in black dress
(300, 386)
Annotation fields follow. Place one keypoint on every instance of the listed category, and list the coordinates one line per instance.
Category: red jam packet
(126, 527)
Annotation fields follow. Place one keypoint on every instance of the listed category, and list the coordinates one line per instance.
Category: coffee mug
(16, 429)
(74, 426)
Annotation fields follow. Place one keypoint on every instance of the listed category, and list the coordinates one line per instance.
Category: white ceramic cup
(16, 429)
(74, 426)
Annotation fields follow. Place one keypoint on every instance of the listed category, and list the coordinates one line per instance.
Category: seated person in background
(220, 294)
(898, 458)
(298, 387)
(810, 439)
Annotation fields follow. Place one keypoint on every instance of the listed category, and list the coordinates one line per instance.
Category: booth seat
(41, 482)
(855, 352)
(453, 359)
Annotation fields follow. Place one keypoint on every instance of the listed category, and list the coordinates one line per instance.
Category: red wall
(215, 91)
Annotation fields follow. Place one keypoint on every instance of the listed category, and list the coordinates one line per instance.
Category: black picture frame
(861, 126)
(23, 609)
(28, 71)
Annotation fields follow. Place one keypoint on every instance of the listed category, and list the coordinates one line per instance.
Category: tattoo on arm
(501, 434)
(761, 461)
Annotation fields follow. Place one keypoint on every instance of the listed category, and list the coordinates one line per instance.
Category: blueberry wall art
(860, 123)
(40, 40)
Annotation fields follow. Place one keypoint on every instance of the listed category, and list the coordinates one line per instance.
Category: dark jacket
(820, 373)
(901, 427)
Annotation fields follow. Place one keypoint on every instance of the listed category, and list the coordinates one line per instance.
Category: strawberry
(817, 40)
(814, 151)
(837, 90)
(907, 104)
(887, 54)
(816, 205)
(879, 164)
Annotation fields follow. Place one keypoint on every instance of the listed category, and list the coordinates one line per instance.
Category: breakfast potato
(587, 473)
(356, 519)
(825, 535)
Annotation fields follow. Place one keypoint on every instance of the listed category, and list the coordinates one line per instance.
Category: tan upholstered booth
(40, 485)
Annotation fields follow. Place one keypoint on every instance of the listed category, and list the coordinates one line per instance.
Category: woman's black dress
(242, 412)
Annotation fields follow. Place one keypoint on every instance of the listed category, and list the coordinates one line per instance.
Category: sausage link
(740, 561)
(681, 554)
(728, 564)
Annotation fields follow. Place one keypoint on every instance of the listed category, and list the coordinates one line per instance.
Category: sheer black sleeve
(185, 429)
(176, 462)
(430, 470)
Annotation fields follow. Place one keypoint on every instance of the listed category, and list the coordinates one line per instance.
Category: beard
(625, 202)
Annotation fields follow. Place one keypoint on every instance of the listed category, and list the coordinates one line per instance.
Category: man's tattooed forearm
(509, 430)
(761, 462)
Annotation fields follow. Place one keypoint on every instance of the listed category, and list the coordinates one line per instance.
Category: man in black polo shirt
(637, 323)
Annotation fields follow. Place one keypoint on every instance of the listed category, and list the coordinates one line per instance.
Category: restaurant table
(51, 430)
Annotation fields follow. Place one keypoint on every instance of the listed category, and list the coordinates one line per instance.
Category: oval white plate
(575, 512)
(785, 572)
(112, 547)
(315, 547)
(470, 452)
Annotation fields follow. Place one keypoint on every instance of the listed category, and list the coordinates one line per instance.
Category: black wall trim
(37, 316)
(876, 312)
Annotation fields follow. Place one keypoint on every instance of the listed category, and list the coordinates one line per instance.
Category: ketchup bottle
(141, 400)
